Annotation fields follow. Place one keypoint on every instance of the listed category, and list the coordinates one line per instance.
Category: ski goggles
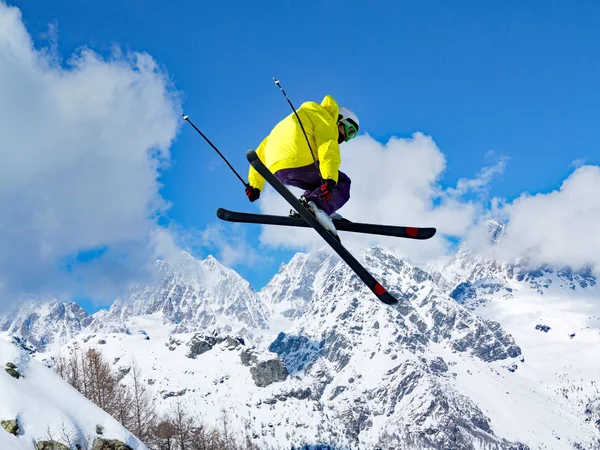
(350, 129)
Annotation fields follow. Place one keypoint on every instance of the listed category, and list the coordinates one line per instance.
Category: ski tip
(384, 295)
(251, 155)
(388, 299)
(420, 233)
(428, 233)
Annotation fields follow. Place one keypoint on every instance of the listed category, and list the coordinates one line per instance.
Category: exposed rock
(11, 365)
(173, 343)
(50, 445)
(13, 372)
(298, 352)
(232, 343)
(299, 394)
(122, 372)
(170, 394)
(268, 372)
(11, 426)
(438, 365)
(336, 348)
(99, 429)
(544, 328)
(104, 444)
(248, 358)
(200, 344)
(488, 341)
(337, 391)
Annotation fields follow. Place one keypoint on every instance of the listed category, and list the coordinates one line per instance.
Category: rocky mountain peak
(495, 229)
(192, 294)
(46, 323)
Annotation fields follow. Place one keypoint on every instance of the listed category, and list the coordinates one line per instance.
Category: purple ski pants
(309, 179)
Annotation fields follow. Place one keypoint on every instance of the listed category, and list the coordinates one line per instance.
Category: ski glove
(252, 193)
(327, 189)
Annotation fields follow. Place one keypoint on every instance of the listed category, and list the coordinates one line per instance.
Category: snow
(368, 366)
(542, 402)
(43, 404)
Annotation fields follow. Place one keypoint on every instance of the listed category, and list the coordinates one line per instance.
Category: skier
(286, 153)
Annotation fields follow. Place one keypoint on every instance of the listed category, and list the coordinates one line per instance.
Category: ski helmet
(350, 122)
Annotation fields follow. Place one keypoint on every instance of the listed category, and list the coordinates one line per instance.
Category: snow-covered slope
(44, 406)
(314, 357)
(554, 315)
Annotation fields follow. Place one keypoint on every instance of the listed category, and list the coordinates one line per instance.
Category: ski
(340, 225)
(348, 258)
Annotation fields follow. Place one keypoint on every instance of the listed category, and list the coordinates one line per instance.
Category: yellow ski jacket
(286, 148)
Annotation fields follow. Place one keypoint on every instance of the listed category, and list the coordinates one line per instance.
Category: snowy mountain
(291, 289)
(315, 358)
(193, 295)
(377, 369)
(472, 279)
(44, 323)
(38, 407)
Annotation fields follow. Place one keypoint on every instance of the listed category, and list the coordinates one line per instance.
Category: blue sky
(519, 79)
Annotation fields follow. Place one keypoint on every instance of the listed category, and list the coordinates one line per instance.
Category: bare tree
(103, 386)
(200, 436)
(144, 416)
(226, 433)
(91, 374)
(184, 424)
(60, 366)
(164, 435)
(248, 444)
(132, 405)
(122, 409)
(81, 375)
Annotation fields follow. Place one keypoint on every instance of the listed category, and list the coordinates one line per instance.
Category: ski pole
(301, 126)
(187, 119)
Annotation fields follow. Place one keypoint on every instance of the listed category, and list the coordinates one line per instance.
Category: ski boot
(324, 219)
(319, 214)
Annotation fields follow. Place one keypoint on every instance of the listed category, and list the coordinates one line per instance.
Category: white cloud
(399, 183)
(481, 183)
(81, 149)
(396, 183)
(560, 227)
(231, 245)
